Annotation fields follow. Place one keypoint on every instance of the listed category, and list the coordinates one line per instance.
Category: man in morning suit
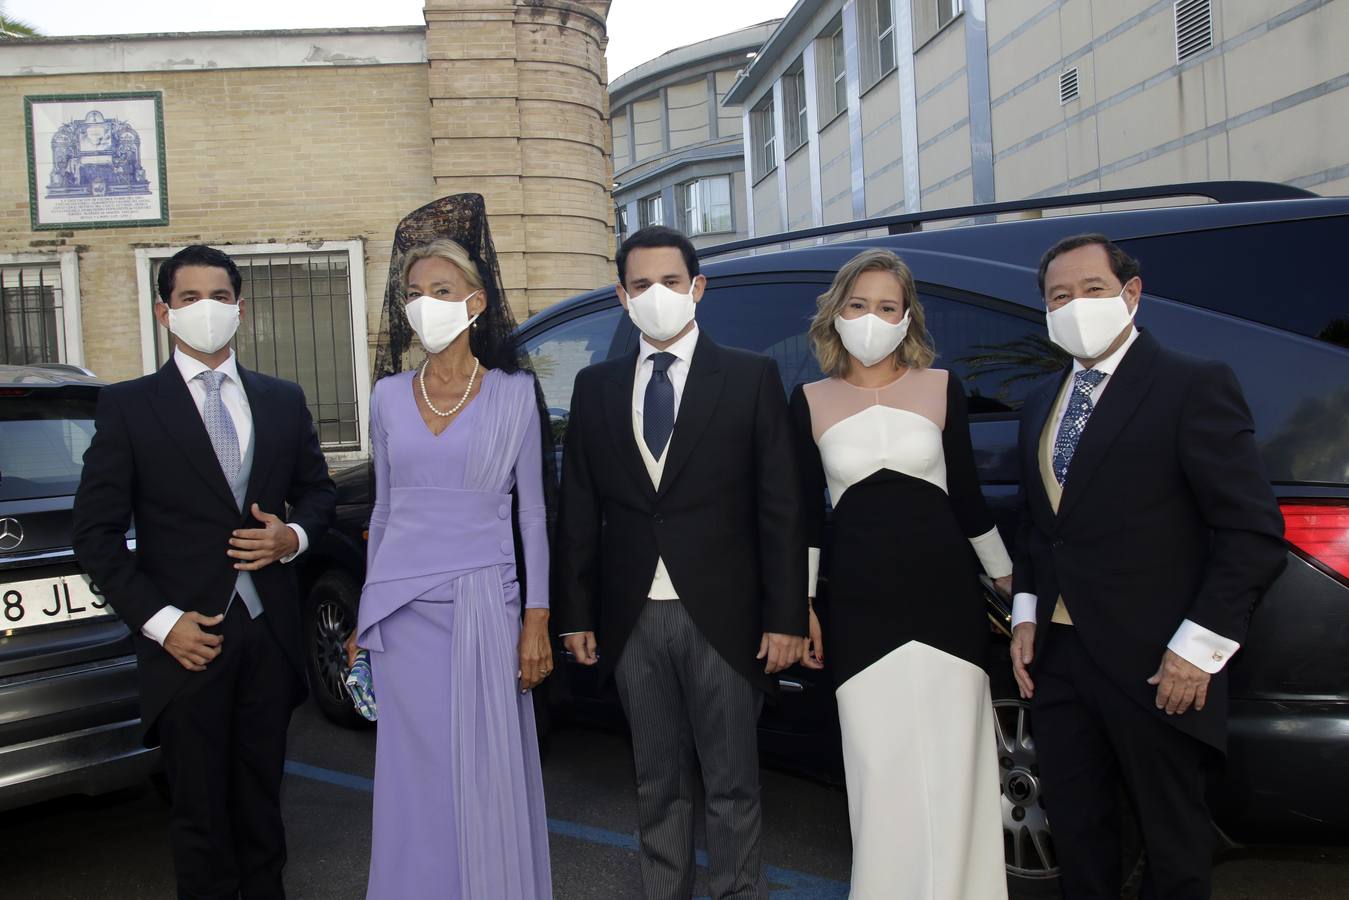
(206, 456)
(681, 555)
(1148, 533)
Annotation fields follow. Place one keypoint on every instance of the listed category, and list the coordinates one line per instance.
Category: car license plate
(49, 601)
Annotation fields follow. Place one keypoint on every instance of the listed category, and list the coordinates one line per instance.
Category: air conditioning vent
(1194, 28)
(1068, 85)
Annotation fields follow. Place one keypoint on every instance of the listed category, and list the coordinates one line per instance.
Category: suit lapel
(702, 390)
(1038, 411)
(618, 413)
(1123, 394)
(266, 430)
(178, 413)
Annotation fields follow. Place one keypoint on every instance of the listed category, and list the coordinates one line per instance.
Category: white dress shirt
(1192, 642)
(232, 395)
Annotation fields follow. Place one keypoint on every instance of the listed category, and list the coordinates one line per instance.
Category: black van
(1250, 276)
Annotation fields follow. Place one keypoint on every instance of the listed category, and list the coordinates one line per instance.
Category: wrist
(536, 614)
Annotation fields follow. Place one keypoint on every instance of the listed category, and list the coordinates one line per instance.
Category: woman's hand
(352, 649)
(813, 657)
(536, 653)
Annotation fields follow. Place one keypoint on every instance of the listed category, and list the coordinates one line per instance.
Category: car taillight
(1319, 529)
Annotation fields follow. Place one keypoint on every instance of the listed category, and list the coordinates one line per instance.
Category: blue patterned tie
(220, 426)
(1075, 420)
(658, 412)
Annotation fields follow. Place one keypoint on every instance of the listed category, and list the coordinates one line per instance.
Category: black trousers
(224, 746)
(685, 706)
(1092, 738)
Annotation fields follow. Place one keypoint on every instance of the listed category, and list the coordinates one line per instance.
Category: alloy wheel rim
(1027, 843)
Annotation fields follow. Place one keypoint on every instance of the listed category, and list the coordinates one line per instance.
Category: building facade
(297, 153)
(678, 152)
(858, 108)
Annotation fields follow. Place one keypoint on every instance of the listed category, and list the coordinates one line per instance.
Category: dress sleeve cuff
(158, 626)
(812, 571)
(303, 539)
(992, 554)
(1206, 649)
(1023, 609)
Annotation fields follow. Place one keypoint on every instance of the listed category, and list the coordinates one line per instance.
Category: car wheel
(330, 616)
(1032, 866)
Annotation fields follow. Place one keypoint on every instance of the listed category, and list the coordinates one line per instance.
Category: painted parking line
(788, 884)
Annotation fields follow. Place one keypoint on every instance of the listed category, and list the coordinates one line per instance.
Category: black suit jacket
(151, 459)
(726, 519)
(1166, 515)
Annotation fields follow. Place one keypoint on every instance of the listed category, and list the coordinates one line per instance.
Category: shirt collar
(190, 368)
(682, 348)
(1111, 362)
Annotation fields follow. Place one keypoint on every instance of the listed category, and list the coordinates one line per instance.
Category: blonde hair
(915, 351)
(448, 250)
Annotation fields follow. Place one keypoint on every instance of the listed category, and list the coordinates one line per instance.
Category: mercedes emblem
(11, 534)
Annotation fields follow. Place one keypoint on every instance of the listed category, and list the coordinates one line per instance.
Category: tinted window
(768, 318)
(1286, 274)
(998, 355)
(558, 353)
(42, 444)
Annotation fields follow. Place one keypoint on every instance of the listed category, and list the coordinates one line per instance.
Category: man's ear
(241, 309)
(699, 285)
(622, 295)
(1133, 292)
(162, 313)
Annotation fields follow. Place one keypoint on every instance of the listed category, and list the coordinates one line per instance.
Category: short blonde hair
(915, 351)
(448, 250)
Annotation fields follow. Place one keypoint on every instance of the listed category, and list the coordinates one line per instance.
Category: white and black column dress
(907, 632)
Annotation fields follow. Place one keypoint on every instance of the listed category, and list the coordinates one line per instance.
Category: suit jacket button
(503, 511)
(658, 519)
(506, 548)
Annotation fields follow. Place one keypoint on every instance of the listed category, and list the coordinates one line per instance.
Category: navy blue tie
(1075, 419)
(658, 411)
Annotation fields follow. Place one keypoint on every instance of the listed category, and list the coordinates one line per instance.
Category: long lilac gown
(459, 809)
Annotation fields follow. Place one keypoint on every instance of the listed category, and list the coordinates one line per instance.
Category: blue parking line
(788, 884)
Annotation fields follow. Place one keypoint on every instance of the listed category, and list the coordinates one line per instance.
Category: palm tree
(13, 28)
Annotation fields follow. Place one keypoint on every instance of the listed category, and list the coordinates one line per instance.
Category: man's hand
(812, 650)
(536, 653)
(582, 646)
(192, 647)
(260, 547)
(1023, 654)
(1180, 684)
(780, 651)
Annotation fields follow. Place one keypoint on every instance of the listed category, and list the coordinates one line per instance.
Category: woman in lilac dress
(458, 453)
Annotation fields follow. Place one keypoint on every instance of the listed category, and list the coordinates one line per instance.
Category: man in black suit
(1148, 533)
(205, 455)
(681, 546)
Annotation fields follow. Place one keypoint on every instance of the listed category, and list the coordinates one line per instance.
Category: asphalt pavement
(115, 847)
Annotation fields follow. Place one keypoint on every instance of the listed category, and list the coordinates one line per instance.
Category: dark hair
(197, 255)
(1124, 266)
(657, 236)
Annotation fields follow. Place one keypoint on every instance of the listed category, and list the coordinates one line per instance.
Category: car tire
(330, 616)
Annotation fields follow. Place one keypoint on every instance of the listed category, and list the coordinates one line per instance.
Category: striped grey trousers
(687, 708)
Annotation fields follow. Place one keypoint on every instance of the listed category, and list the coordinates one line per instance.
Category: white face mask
(660, 313)
(1087, 326)
(205, 325)
(439, 322)
(870, 338)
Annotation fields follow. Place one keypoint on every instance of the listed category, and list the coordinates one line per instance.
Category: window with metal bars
(297, 326)
(1068, 86)
(32, 320)
(1194, 28)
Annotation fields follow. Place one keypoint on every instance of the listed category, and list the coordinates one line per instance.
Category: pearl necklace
(462, 400)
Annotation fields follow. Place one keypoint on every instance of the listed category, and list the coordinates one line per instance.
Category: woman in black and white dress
(889, 438)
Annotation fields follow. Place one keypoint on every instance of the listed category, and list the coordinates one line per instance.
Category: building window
(304, 321)
(877, 29)
(796, 116)
(762, 137)
(947, 10)
(705, 205)
(621, 221)
(649, 211)
(832, 80)
(930, 18)
(40, 309)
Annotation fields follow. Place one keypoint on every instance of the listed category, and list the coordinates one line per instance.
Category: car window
(1285, 274)
(766, 317)
(998, 354)
(561, 351)
(42, 444)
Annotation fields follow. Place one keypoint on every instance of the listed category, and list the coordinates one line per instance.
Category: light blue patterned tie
(1075, 420)
(220, 426)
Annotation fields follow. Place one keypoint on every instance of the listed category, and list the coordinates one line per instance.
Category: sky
(638, 29)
